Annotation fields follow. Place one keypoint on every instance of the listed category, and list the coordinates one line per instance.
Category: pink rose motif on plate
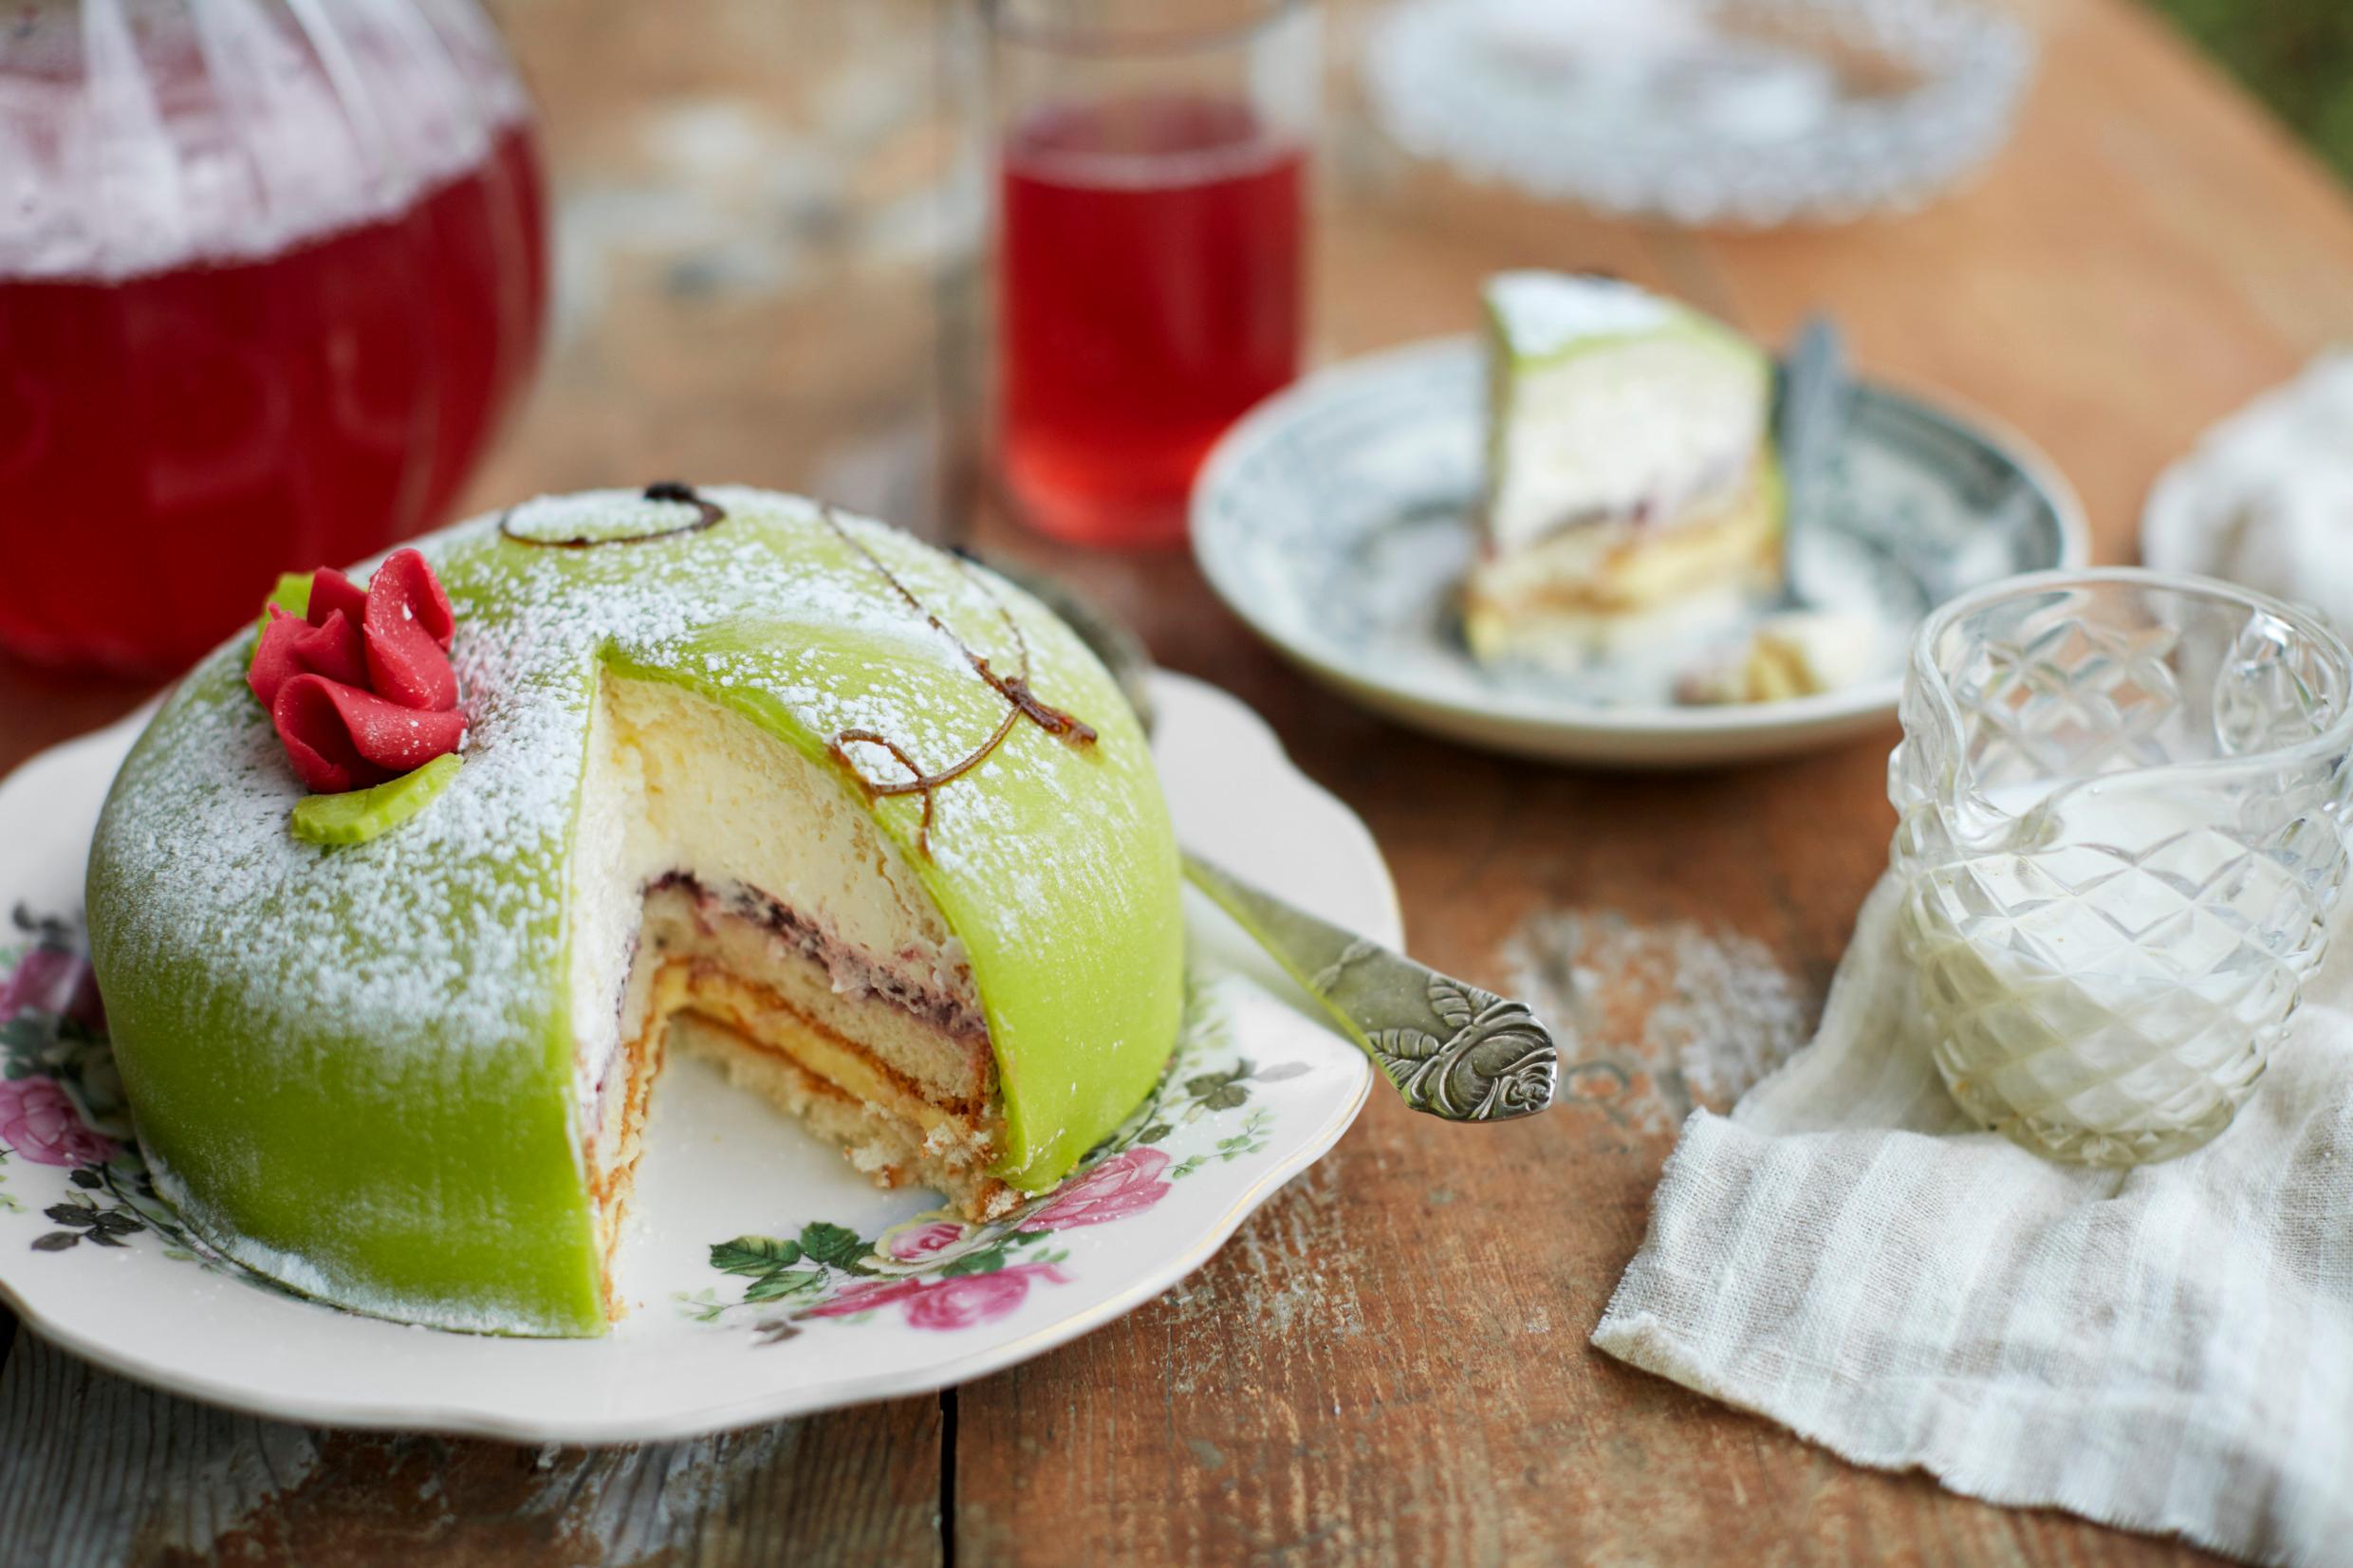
(925, 1245)
(51, 979)
(959, 1301)
(39, 1121)
(1127, 1183)
(917, 1243)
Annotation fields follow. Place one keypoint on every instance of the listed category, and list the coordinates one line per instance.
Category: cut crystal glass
(2121, 797)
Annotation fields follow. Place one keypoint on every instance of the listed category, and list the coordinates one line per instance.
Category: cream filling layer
(675, 784)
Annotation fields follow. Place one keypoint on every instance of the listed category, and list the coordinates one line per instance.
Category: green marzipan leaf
(357, 816)
(754, 1255)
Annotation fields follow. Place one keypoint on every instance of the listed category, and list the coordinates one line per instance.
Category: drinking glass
(1151, 176)
(2122, 798)
(270, 272)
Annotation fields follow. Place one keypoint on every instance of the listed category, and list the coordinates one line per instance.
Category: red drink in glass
(1151, 292)
(182, 417)
(1151, 193)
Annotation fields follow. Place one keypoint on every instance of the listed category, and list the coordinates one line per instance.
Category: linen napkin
(2265, 497)
(2167, 1349)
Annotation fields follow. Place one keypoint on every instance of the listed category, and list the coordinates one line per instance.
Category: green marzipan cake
(361, 1069)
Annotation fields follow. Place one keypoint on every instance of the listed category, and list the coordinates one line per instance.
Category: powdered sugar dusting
(1701, 1015)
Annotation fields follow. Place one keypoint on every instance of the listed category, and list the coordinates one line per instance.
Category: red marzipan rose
(333, 648)
(340, 737)
(407, 628)
(360, 689)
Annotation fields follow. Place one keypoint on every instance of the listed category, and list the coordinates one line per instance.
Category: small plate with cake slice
(1571, 538)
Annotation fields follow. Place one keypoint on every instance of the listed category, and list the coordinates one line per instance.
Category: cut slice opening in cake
(731, 897)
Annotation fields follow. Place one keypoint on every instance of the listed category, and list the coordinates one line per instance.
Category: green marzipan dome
(353, 1068)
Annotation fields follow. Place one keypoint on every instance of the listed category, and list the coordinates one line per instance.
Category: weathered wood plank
(96, 1471)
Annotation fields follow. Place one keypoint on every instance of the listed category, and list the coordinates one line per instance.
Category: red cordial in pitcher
(202, 378)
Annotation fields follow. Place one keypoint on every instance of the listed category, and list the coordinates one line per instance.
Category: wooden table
(1389, 1362)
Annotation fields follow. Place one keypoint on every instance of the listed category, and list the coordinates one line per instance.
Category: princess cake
(392, 909)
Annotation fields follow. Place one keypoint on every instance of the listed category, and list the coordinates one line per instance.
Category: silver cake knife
(1810, 417)
(1450, 1048)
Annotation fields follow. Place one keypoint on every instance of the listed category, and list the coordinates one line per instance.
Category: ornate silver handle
(1451, 1048)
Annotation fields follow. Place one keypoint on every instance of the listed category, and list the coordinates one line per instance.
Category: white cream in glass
(2120, 798)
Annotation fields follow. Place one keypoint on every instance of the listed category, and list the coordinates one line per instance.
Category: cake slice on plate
(1630, 468)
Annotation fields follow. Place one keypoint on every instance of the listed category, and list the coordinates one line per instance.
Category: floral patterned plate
(763, 1278)
(1336, 519)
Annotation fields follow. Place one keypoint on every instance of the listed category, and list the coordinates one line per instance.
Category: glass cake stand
(1724, 113)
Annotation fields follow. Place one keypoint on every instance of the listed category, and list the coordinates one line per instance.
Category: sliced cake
(396, 915)
(1629, 467)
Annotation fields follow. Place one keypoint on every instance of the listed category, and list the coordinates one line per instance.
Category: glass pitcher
(270, 272)
(2122, 795)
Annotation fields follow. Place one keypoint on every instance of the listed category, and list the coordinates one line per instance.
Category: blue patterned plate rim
(1221, 547)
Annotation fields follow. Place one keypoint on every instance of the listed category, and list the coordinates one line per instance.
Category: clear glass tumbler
(1151, 160)
(2122, 797)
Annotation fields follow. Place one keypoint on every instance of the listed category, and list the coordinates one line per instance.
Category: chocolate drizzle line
(1021, 702)
(661, 489)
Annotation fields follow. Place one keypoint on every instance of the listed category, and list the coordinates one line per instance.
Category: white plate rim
(141, 1364)
(1563, 718)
